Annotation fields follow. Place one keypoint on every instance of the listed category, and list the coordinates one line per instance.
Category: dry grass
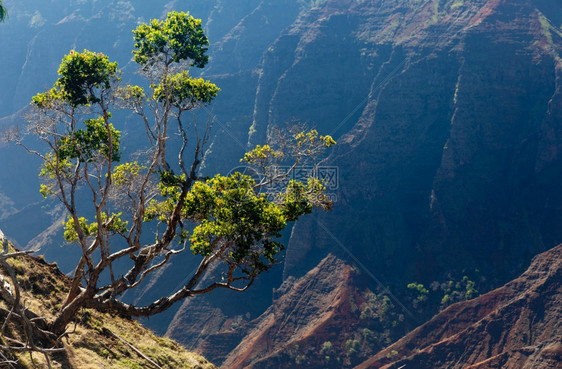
(96, 339)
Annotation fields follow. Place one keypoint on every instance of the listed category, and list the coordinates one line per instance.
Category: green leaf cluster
(49, 99)
(227, 210)
(124, 173)
(81, 75)
(296, 200)
(261, 155)
(116, 225)
(420, 290)
(132, 94)
(53, 167)
(185, 92)
(237, 215)
(179, 37)
(3, 12)
(464, 289)
(312, 137)
(84, 144)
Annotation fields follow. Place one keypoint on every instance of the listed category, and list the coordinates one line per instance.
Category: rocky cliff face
(446, 114)
(304, 314)
(515, 326)
(326, 319)
(447, 162)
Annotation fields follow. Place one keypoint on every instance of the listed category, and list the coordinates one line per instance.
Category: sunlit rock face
(514, 326)
(451, 158)
(447, 120)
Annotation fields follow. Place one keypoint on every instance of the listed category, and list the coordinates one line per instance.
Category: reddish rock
(313, 323)
(306, 315)
(447, 116)
(515, 326)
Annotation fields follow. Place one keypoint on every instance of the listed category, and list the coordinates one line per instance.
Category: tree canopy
(3, 12)
(135, 209)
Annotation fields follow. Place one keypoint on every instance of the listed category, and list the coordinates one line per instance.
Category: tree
(3, 12)
(225, 221)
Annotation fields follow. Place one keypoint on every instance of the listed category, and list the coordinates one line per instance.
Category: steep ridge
(96, 340)
(296, 318)
(515, 326)
(452, 144)
(446, 114)
(311, 319)
(446, 117)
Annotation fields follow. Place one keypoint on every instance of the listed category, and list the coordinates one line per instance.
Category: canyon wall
(447, 115)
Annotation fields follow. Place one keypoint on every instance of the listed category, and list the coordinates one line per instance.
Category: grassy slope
(94, 341)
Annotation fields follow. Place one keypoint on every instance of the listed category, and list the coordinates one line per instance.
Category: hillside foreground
(96, 340)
